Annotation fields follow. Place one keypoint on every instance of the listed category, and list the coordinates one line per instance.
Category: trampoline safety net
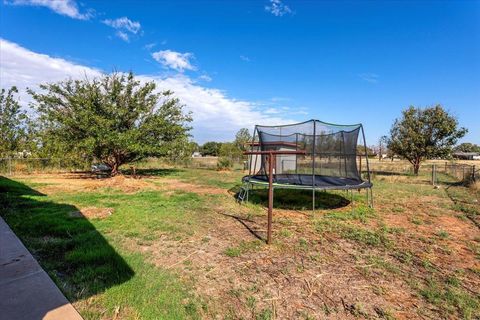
(332, 156)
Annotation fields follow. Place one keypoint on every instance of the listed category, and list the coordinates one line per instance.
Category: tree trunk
(416, 167)
(114, 169)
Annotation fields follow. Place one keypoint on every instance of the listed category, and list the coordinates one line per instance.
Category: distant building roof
(466, 154)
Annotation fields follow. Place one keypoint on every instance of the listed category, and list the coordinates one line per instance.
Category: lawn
(174, 244)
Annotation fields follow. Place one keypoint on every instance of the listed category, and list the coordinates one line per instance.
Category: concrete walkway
(26, 291)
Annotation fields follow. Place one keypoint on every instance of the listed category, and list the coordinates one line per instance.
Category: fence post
(10, 166)
(433, 175)
(445, 167)
(473, 173)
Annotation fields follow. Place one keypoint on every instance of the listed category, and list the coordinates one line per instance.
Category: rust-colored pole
(270, 196)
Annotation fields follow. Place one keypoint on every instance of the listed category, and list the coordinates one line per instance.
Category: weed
(265, 314)
(233, 252)
(442, 234)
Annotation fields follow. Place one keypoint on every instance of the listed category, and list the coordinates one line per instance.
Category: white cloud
(216, 115)
(205, 77)
(278, 8)
(122, 35)
(150, 46)
(244, 58)
(23, 68)
(369, 77)
(124, 26)
(272, 111)
(67, 8)
(174, 60)
(124, 23)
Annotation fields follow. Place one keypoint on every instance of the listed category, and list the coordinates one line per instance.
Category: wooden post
(270, 197)
(433, 174)
(270, 155)
(473, 173)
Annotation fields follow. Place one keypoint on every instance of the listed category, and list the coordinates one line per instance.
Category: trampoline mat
(306, 181)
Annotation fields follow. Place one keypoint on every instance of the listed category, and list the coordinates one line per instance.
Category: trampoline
(313, 155)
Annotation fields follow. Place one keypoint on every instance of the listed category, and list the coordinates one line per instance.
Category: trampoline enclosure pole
(271, 161)
(313, 163)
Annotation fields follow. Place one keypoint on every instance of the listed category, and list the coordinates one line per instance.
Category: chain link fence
(433, 171)
(462, 172)
(17, 166)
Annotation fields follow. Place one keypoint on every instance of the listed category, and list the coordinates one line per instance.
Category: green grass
(242, 248)
(102, 268)
(86, 257)
(449, 298)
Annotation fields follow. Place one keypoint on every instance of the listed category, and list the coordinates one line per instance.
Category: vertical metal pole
(360, 171)
(296, 156)
(344, 154)
(256, 156)
(270, 197)
(366, 153)
(433, 174)
(371, 196)
(10, 166)
(313, 163)
(473, 173)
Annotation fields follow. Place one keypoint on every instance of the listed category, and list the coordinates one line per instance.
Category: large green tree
(13, 123)
(467, 147)
(424, 133)
(114, 119)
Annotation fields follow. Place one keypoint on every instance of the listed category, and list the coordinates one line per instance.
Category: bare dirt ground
(75, 182)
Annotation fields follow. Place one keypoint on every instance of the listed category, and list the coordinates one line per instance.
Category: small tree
(242, 138)
(382, 145)
(113, 119)
(13, 123)
(424, 133)
(229, 153)
(211, 148)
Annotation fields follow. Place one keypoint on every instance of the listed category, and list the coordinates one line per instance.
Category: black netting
(330, 159)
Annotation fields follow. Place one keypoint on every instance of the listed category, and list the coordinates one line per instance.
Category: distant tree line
(228, 152)
(467, 147)
(116, 119)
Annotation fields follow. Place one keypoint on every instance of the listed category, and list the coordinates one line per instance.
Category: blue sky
(236, 64)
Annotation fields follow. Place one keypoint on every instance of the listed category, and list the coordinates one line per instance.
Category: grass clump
(449, 298)
(243, 247)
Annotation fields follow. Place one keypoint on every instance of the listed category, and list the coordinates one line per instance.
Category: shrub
(224, 163)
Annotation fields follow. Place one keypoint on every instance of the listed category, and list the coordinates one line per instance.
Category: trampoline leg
(368, 199)
(371, 198)
(351, 198)
(248, 188)
(313, 200)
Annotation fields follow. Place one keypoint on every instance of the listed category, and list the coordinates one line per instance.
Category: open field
(174, 244)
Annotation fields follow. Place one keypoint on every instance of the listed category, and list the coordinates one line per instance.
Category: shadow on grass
(295, 199)
(152, 172)
(243, 221)
(77, 257)
(390, 173)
